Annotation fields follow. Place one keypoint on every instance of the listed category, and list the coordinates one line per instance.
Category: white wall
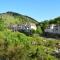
(33, 27)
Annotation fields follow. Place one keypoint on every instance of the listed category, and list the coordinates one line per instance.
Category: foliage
(46, 23)
(2, 26)
(18, 46)
(13, 17)
(39, 30)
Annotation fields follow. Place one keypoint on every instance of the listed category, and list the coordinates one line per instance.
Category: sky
(38, 9)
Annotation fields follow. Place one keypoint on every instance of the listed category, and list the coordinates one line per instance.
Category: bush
(17, 46)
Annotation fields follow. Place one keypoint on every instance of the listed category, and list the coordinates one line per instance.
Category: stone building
(53, 28)
(24, 27)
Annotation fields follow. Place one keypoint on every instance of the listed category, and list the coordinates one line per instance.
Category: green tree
(1, 24)
(39, 30)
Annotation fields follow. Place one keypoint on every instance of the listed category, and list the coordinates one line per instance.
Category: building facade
(53, 28)
(24, 27)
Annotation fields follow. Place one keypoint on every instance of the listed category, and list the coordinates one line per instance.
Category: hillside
(46, 23)
(12, 18)
(15, 18)
(18, 46)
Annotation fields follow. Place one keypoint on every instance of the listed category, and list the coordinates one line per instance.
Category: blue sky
(38, 9)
